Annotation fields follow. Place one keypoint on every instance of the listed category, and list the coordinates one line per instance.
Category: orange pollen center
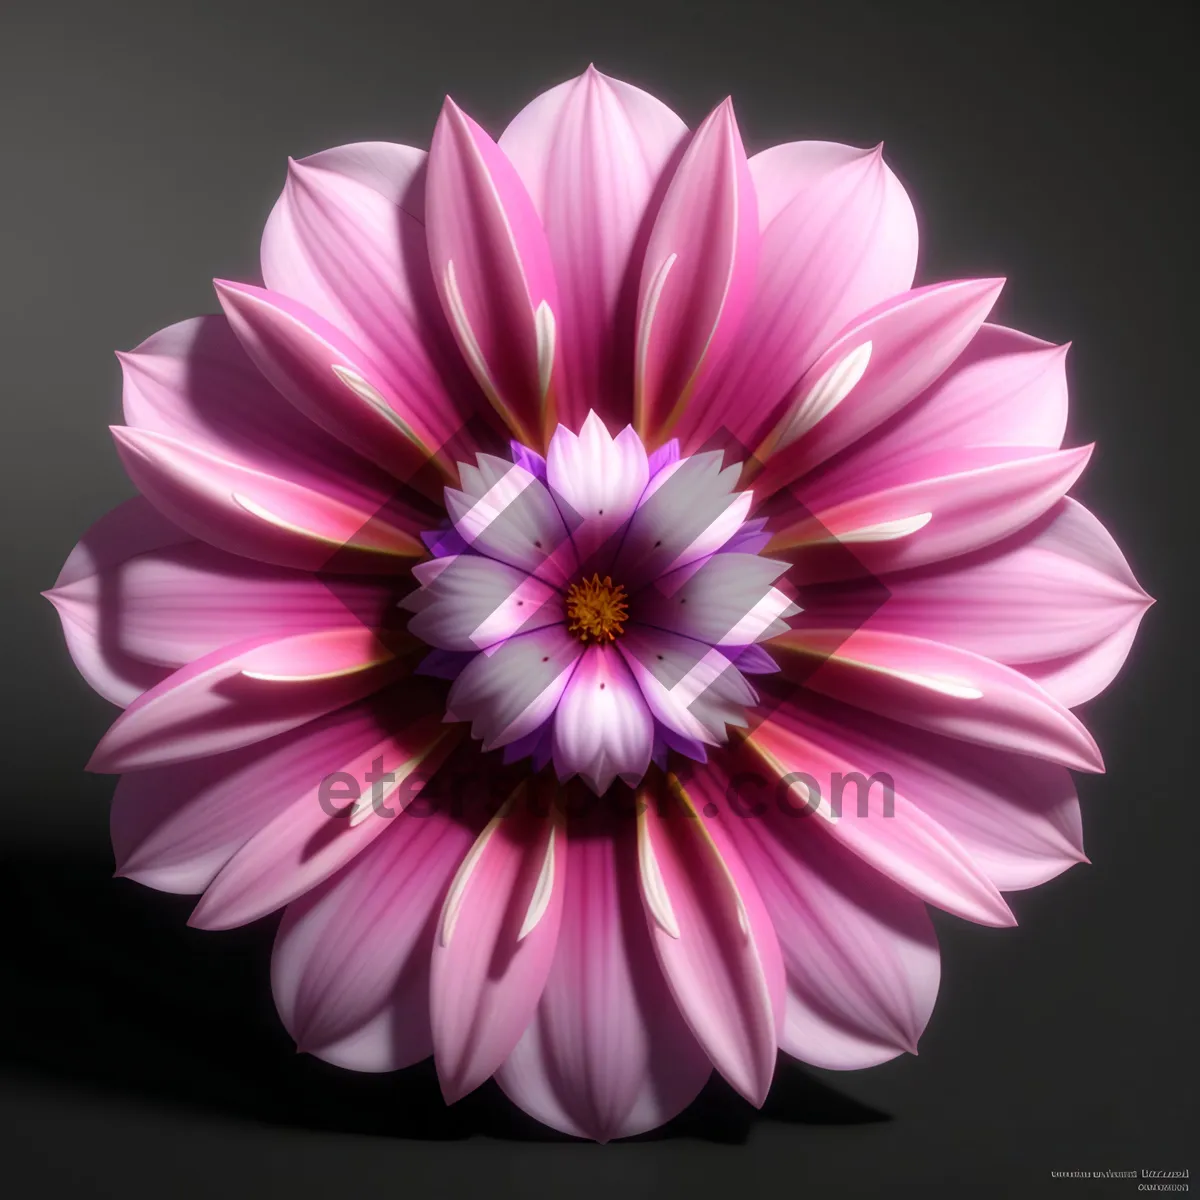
(596, 609)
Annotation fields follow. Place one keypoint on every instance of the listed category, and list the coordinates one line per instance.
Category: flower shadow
(108, 991)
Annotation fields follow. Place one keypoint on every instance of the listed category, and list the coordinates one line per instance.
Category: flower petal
(592, 153)
(607, 1053)
(309, 839)
(246, 693)
(698, 275)
(493, 271)
(602, 727)
(939, 688)
(713, 940)
(838, 237)
(495, 942)
(351, 965)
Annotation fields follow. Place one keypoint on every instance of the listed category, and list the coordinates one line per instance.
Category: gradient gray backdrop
(144, 145)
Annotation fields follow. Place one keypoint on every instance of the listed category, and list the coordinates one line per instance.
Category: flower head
(602, 602)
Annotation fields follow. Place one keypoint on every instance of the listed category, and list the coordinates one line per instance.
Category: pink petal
(860, 952)
(602, 727)
(908, 847)
(887, 357)
(607, 1053)
(1017, 817)
(938, 688)
(347, 240)
(838, 237)
(166, 606)
(1060, 588)
(174, 827)
(475, 602)
(303, 844)
(937, 507)
(698, 275)
(351, 965)
(597, 481)
(593, 153)
(512, 689)
(246, 693)
(133, 528)
(712, 938)
(495, 943)
(494, 273)
(328, 378)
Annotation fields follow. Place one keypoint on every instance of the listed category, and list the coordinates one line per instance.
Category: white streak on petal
(828, 392)
(655, 889)
(542, 891)
(364, 391)
(458, 314)
(544, 327)
(886, 531)
(458, 889)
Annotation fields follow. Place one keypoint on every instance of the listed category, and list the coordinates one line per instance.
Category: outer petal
(602, 727)
(1017, 817)
(860, 952)
(713, 940)
(350, 971)
(597, 481)
(939, 688)
(133, 528)
(346, 239)
(304, 843)
(246, 693)
(698, 275)
(493, 270)
(910, 848)
(838, 237)
(495, 943)
(887, 357)
(592, 153)
(607, 1053)
(512, 689)
(328, 378)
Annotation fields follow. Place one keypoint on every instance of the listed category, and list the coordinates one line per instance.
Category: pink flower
(558, 457)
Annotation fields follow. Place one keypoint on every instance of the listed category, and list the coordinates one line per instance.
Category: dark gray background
(143, 146)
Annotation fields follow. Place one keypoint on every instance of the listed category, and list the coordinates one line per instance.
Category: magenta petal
(592, 153)
(860, 952)
(493, 270)
(495, 943)
(607, 1053)
(329, 379)
(698, 274)
(886, 358)
(602, 727)
(909, 847)
(351, 965)
(838, 237)
(305, 843)
(245, 693)
(939, 688)
(713, 939)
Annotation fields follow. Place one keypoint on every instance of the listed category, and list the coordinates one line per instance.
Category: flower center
(596, 609)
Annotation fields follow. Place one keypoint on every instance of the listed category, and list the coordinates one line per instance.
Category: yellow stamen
(596, 609)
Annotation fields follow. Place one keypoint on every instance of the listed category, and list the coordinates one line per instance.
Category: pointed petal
(246, 693)
(607, 1053)
(714, 944)
(347, 240)
(939, 688)
(907, 846)
(592, 154)
(493, 271)
(602, 727)
(311, 837)
(860, 952)
(838, 237)
(351, 965)
(495, 942)
(698, 275)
